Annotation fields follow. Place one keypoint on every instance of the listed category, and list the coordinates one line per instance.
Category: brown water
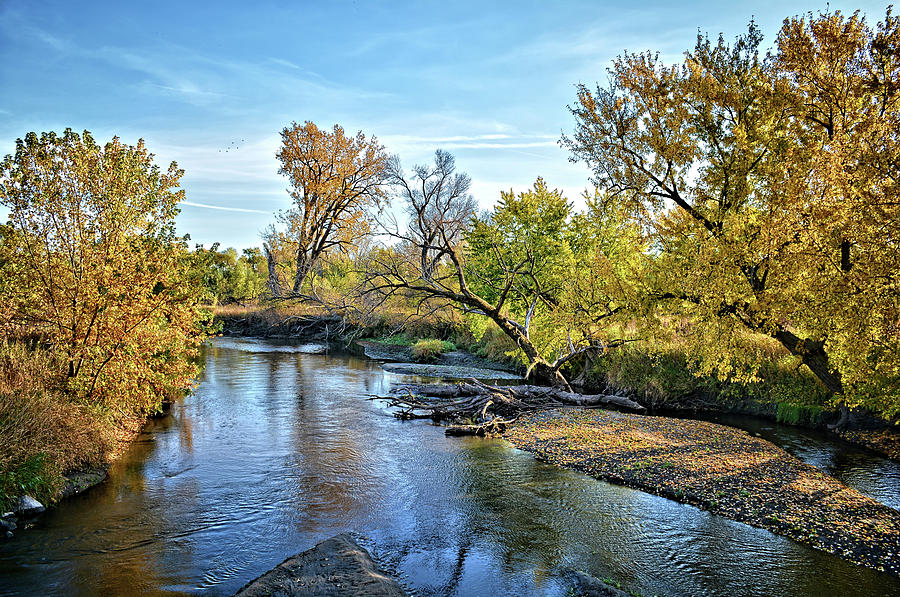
(278, 450)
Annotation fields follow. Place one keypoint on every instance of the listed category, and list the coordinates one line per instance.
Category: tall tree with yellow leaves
(767, 190)
(336, 183)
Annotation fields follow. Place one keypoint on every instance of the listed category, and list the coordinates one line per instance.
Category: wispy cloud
(222, 208)
(461, 138)
(207, 81)
(485, 145)
(286, 63)
(494, 141)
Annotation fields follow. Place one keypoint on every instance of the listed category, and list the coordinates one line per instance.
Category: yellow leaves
(101, 275)
(767, 189)
(335, 183)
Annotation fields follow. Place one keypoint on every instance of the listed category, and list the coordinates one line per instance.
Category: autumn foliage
(92, 269)
(766, 189)
(335, 184)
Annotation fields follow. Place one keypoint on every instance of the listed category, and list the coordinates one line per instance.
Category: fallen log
(527, 393)
(475, 408)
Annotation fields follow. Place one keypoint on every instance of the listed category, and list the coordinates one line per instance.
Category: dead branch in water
(475, 408)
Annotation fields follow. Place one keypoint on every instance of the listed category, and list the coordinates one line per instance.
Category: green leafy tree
(229, 277)
(514, 266)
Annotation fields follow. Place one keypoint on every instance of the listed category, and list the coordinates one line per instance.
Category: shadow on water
(278, 449)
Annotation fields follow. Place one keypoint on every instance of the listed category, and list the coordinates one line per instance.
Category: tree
(335, 183)
(512, 266)
(229, 277)
(92, 266)
(765, 188)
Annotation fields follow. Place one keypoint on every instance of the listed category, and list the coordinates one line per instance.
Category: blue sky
(488, 81)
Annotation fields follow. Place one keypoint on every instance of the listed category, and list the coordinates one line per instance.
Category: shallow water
(278, 450)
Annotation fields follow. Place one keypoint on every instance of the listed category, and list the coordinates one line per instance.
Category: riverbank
(884, 441)
(719, 469)
(20, 507)
(46, 436)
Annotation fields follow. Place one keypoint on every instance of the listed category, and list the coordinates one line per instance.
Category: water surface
(279, 449)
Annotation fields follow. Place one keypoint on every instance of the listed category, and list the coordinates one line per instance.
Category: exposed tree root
(475, 408)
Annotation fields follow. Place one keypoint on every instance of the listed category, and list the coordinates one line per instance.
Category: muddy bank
(269, 323)
(337, 566)
(720, 469)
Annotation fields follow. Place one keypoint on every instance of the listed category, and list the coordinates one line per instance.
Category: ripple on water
(279, 449)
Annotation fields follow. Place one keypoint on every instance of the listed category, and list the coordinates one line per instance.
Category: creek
(278, 449)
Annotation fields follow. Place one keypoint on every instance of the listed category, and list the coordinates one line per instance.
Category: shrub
(42, 433)
(426, 351)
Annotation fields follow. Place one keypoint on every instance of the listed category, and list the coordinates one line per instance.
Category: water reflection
(279, 449)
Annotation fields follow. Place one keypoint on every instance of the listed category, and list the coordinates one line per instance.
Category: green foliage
(529, 234)
(657, 376)
(560, 274)
(662, 376)
(397, 340)
(33, 477)
(426, 351)
(798, 414)
(228, 277)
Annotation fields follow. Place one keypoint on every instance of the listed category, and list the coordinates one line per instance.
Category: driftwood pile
(475, 408)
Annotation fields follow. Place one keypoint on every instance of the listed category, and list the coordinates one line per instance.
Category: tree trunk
(304, 264)
(843, 421)
(581, 379)
(273, 284)
(539, 370)
(544, 374)
(813, 354)
(490, 407)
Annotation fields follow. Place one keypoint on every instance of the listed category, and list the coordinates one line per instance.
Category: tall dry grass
(42, 433)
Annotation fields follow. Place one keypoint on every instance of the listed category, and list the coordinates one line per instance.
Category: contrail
(252, 211)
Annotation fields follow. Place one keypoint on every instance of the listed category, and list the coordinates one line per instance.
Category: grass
(424, 350)
(428, 350)
(42, 433)
(661, 377)
(799, 414)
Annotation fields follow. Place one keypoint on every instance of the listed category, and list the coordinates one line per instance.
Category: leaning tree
(515, 265)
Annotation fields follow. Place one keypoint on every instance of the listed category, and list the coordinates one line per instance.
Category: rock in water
(28, 506)
(334, 567)
(589, 586)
